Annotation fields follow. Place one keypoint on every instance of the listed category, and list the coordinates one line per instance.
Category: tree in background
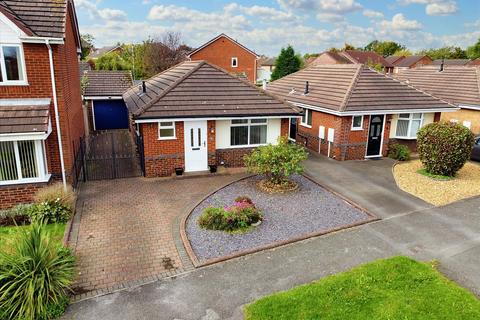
(287, 62)
(112, 61)
(87, 44)
(384, 48)
(445, 53)
(403, 52)
(473, 52)
(164, 52)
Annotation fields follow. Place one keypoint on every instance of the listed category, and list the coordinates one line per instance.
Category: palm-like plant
(36, 274)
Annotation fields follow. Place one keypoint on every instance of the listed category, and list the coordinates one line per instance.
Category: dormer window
(12, 65)
(234, 62)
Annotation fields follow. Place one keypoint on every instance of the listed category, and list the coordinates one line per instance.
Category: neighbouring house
(41, 116)
(83, 67)
(475, 62)
(196, 116)
(368, 58)
(102, 96)
(353, 112)
(98, 52)
(404, 62)
(265, 69)
(229, 55)
(451, 62)
(459, 85)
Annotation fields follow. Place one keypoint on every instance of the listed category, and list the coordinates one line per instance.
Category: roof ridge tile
(352, 85)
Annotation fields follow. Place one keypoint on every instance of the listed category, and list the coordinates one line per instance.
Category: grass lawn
(395, 288)
(8, 235)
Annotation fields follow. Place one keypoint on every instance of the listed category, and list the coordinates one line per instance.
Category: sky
(310, 26)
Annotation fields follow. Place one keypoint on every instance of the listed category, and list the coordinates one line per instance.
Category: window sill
(356, 129)
(405, 138)
(246, 146)
(26, 181)
(170, 138)
(306, 125)
(13, 84)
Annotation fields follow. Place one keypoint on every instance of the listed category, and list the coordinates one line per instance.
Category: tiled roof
(366, 57)
(393, 59)
(267, 61)
(456, 84)
(83, 67)
(200, 89)
(96, 53)
(43, 18)
(475, 62)
(352, 88)
(24, 119)
(451, 62)
(338, 56)
(408, 61)
(107, 83)
(222, 35)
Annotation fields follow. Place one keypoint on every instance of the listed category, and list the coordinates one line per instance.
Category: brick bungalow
(41, 117)
(403, 62)
(195, 116)
(229, 55)
(353, 112)
(353, 57)
(459, 85)
(102, 96)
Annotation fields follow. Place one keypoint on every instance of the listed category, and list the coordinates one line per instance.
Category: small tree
(277, 162)
(444, 147)
(287, 62)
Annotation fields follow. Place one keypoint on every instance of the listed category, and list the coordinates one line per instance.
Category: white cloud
(372, 14)
(399, 22)
(435, 7)
(328, 6)
(261, 12)
(330, 17)
(105, 13)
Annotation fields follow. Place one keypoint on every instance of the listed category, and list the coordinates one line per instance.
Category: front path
(123, 230)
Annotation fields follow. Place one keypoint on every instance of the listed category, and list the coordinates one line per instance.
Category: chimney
(441, 65)
(306, 88)
(144, 87)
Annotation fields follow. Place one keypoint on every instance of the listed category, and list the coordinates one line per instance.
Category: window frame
(248, 124)
(174, 137)
(308, 118)
(410, 119)
(40, 163)
(353, 128)
(236, 62)
(3, 68)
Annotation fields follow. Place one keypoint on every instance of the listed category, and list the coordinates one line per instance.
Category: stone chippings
(287, 216)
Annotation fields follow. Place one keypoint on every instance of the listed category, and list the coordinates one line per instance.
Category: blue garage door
(110, 114)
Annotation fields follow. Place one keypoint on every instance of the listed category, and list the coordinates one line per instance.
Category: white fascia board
(27, 39)
(212, 118)
(469, 106)
(25, 102)
(24, 136)
(360, 113)
(102, 97)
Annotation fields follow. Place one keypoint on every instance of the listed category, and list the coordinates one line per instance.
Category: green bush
(277, 162)
(399, 152)
(444, 147)
(57, 193)
(15, 216)
(240, 215)
(49, 212)
(35, 277)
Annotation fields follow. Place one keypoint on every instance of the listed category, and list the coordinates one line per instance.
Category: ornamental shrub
(399, 152)
(49, 212)
(35, 277)
(277, 162)
(444, 147)
(240, 215)
(57, 192)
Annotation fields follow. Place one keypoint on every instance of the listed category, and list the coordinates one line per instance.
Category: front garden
(277, 205)
(36, 270)
(395, 288)
(442, 175)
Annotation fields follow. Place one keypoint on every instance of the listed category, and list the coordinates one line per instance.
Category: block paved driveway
(409, 227)
(126, 230)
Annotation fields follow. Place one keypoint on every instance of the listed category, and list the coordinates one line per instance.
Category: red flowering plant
(239, 216)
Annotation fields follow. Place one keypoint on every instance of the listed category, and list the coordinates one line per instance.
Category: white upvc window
(306, 118)
(234, 62)
(408, 125)
(357, 123)
(23, 162)
(248, 132)
(12, 65)
(166, 130)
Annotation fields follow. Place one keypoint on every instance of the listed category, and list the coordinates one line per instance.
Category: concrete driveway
(410, 227)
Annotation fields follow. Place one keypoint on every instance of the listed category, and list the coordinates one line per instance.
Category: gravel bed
(286, 216)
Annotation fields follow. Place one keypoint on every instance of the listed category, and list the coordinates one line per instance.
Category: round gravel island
(288, 216)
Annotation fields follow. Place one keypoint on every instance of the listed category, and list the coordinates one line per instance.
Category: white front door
(196, 151)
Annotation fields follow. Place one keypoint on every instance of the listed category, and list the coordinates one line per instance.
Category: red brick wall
(220, 53)
(15, 194)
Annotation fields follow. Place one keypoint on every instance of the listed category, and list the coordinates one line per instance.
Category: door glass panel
(376, 120)
(191, 137)
(199, 137)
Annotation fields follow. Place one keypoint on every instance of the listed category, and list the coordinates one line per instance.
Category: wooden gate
(111, 155)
